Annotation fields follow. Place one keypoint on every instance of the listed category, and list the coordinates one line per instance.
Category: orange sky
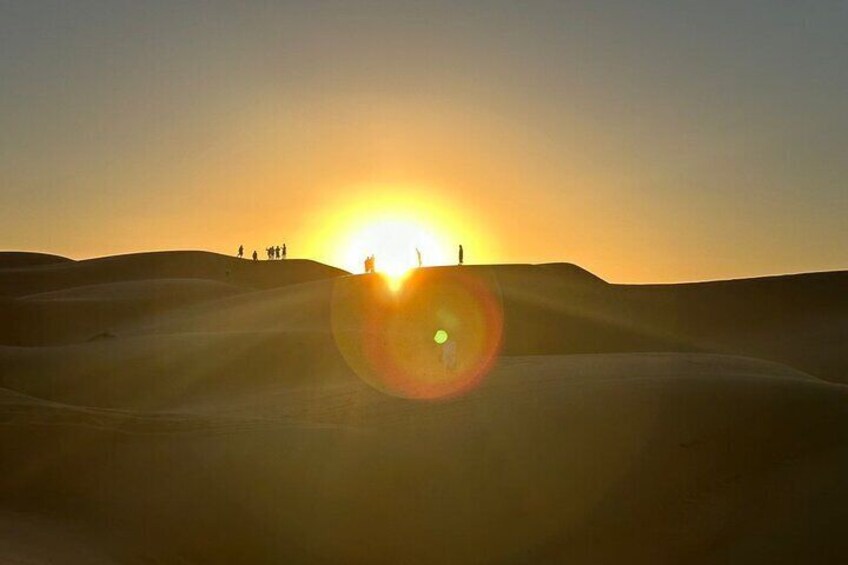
(645, 146)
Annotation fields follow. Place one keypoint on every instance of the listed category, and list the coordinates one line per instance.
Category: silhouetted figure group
(369, 264)
(276, 252)
(280, 252)
(273, 252)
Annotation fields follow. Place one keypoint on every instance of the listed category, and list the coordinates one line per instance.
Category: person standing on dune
(418, 254)
(461, 254)
(255, 256)
(241, 251)
(284, 251)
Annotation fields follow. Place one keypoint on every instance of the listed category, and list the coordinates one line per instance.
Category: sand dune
(89, 312)
(647, 458)
(161, 265)
(21, 259)
(219, 419)
(78, 301)
(176, 291)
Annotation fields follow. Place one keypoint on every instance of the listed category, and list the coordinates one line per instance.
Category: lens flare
(440, 337)
(435, 337)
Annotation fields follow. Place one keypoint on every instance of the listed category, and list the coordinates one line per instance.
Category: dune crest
(25, 259)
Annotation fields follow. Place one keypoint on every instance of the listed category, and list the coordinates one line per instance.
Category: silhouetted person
(255, 256)
(241, 251)
(369, 264)
(418, 254)
(461, 254)
(284, 251)
(277, 251)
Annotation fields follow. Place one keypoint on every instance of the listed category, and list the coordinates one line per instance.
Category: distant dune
(174, 290)
(19, 259)
(801, 320)
(73, 301)
(162, 265)
(187, 407)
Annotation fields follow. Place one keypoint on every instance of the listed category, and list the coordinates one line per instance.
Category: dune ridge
(27, 259)
(162, 265)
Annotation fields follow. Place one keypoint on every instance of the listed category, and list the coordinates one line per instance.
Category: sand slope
(22, 259)
(219, 423)
(588, 459)
(161, 265)
(78, 301)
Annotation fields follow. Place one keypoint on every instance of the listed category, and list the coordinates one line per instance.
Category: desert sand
(186, 407)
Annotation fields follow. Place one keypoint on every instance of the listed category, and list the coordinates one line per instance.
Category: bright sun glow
(395, 223)
(395, 243)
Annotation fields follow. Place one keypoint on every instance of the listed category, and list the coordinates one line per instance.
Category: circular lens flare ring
(436, 337)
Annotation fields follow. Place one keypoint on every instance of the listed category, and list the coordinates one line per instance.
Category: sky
(645, 141)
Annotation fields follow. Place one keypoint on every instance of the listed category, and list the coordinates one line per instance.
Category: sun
(398, 245)
(396, 224)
